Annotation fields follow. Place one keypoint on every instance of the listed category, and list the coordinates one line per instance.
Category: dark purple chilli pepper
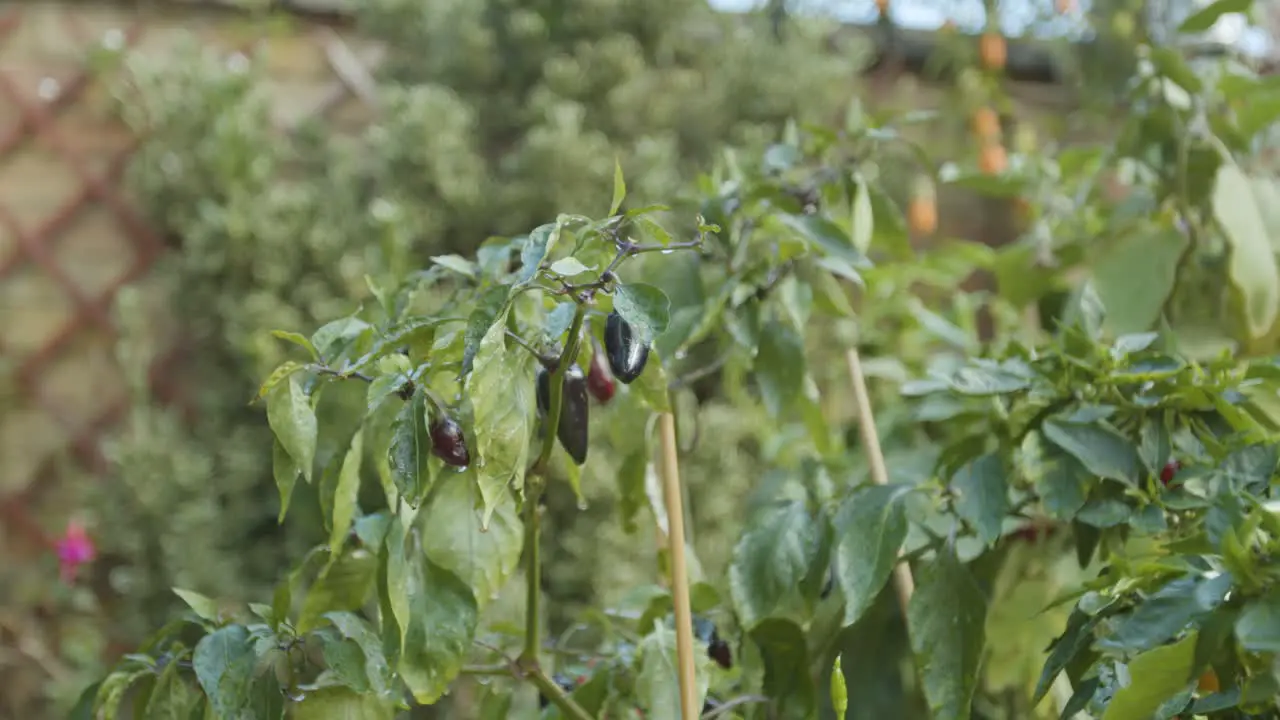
(627, 356)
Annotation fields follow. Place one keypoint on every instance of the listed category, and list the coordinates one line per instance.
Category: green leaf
(106, 702)
(214, 657)
(383, 387)
(947, 621)
(333, 703)
(397, 570)
(1206, 17)
(1155, 447)
(345, 660)
(568, 267)
(982, 486)
(299, 340)
(1076, 637)
(1154, 677)
(828, 295)
(559, 320)
(1258, 627)
(619, 188)
(253, 693)
(863, 218)
(1104, 512)
(442, 623)
(537, 247)
(489, 312)
(346, 495)
(375, 668)
(787, 680)
(652, 384)
(372, 529)
(826, 237)
(344, 585)
(293, 420)
(1135, 300)
(1252, 268)
(771, 559)
(1063, 485)
(658, 680)
(1102, 451)
(286, 474)
(172, 698)
(456, 263)
(645, 308)
(333, 338)
(870, 527)
(653, 229)
(452, 538)
(409, 453)
(780, 367)
(84, 706)
(631, 497)
(205, 607)
(1163, 615)
(501, 393)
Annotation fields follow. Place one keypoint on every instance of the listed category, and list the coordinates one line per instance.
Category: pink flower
(74, 549)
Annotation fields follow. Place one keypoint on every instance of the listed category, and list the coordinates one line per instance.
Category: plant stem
(536, 485)
(679, 571)
(551, 691)
(532, 570)
(690, 245)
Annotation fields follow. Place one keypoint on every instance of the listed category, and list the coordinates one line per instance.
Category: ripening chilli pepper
(448, 442)
(627, 356)
(572, 431)
(599, 379)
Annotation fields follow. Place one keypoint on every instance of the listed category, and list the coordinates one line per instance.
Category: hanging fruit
(992, 159)
(992, 51)
(574, 410)
(448, 442)
(922, 210)
(986, 124)
(599, 379)
(627, 355)
(1208, 682)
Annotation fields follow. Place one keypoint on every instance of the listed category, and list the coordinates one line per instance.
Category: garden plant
(1069, 514)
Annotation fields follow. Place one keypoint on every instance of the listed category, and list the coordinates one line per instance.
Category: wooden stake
(673, 499)
(903, 583)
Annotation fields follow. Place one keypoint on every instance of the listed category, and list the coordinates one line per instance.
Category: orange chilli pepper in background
(922, 210)
(986, 124)
(992, 51)
(992, 159)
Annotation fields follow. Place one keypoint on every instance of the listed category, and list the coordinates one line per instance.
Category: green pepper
(573, 410)
(627, 356)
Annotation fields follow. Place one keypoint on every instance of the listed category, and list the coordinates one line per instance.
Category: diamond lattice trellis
(69, 241)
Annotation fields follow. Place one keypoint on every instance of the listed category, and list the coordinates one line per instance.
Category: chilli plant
(1150, 472)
